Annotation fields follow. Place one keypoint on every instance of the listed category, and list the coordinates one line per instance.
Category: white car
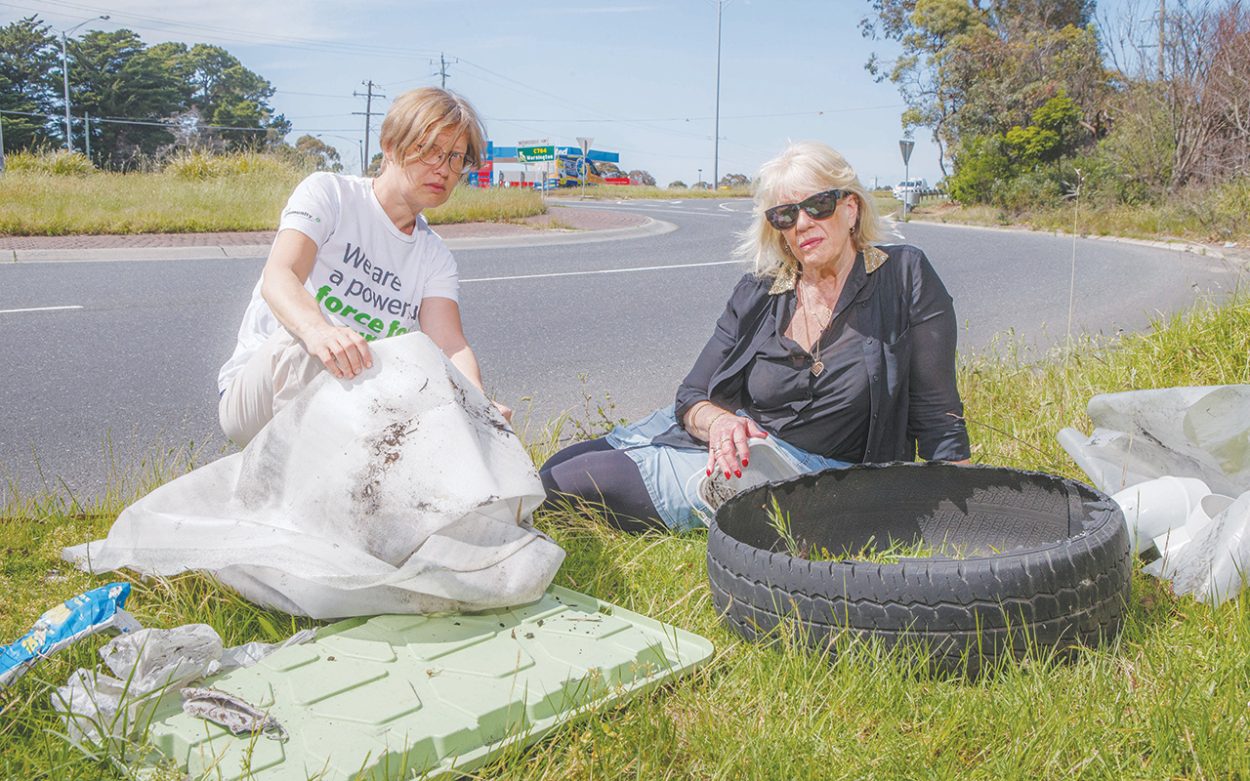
(917, 186)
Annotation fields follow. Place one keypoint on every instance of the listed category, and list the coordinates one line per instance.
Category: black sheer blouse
(888, 390)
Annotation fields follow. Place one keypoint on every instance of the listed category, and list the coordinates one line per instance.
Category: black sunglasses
(818, 207)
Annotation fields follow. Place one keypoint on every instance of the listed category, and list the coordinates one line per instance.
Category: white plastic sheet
(1178, 462)
(401, 491)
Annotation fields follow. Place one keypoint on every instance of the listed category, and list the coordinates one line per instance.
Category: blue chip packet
(97, 610)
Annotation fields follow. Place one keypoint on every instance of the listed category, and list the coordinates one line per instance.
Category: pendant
(817, 368)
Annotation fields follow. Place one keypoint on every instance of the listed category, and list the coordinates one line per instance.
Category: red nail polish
(737, 473)
(709, 473)
(726, 475)
(746, 462)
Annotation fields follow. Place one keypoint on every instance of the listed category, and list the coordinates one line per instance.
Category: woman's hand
(727, 443)
(344, 352)
(504, 410)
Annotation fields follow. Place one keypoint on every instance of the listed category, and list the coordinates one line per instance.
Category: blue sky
(638, 77)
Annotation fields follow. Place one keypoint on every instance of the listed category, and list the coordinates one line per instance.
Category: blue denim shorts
(672, 474)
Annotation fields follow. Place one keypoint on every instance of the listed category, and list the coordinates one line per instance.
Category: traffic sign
(535, 154)
(585, 144)
(905, 146)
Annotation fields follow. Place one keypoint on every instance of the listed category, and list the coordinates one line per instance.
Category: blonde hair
(419, 116)
(804, 167)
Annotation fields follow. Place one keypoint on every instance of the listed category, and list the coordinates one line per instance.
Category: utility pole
(442, 68)
(1, 144)
(720, 4)
(368, 114)
(86, 131)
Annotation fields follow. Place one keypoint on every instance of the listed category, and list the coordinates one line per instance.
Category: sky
(637, 77)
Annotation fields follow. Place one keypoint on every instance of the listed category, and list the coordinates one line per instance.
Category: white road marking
(605, 271)
(39, 309)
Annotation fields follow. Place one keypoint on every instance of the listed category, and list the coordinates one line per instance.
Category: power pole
(442, 68)
(368, 114)
(86, 131)
(1, 144)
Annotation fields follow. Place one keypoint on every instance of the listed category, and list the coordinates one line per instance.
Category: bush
(199, 165)
(59, 163)
(678, 185)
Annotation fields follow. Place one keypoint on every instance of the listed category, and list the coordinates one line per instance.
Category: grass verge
(1167, 700)
(1177, 220)
(195, 195)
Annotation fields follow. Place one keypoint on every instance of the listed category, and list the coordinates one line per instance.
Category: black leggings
(596, 472)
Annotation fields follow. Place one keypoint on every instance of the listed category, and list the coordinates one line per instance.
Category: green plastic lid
(398, 696)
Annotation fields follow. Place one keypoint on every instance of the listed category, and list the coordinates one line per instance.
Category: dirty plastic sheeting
(401, 491)
(1177, 461)
(397, 696)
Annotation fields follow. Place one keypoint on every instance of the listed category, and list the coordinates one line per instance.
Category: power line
(144, 122)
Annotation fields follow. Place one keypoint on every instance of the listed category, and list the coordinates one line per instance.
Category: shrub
(198, 165)
(58, 163)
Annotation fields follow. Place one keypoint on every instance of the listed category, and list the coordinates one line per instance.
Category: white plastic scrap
(148, 665)
(1177, 460)
(400, 491)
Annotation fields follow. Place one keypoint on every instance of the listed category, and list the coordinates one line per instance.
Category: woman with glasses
(354, 261)
(834, 351)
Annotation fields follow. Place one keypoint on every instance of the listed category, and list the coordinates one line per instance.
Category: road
(606, 329)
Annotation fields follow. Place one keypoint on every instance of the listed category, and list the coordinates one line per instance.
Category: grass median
(1167, 700)
(246, 194)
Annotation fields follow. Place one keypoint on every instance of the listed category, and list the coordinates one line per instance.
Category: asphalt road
(601, 329)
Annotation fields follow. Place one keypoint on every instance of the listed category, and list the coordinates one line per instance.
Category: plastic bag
(1198, 524)
(401, 491)
(97, 610)
(147, 666)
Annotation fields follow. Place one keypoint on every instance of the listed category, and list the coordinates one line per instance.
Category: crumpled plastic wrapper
(1177, 460)
(147, 666)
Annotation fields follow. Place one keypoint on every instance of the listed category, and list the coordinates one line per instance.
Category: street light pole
(720, 4)
(69, 132)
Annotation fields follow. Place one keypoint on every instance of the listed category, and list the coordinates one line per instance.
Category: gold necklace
(818, 365)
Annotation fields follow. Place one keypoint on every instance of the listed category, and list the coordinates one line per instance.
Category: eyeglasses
(818, 207)
(433, 156)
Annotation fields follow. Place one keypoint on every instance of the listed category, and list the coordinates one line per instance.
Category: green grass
(61, 195)
(1167, 700)
(1216, 215)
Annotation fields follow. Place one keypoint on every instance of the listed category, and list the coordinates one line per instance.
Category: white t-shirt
(369, 275)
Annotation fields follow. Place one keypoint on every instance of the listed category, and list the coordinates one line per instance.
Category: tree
(114, 76)
(1183, 115)
(28, 59)
(677, 185)
(317, 154)
(641, 177)
(971, 68)
(226, 94)
(734, 180)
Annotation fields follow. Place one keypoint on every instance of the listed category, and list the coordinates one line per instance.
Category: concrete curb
(1179, 246)
(651, 227)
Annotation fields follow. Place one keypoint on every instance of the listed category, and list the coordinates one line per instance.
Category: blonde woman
(355, 261)
(836, 349)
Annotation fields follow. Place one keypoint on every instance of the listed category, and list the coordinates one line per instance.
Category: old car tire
(1046, 561)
